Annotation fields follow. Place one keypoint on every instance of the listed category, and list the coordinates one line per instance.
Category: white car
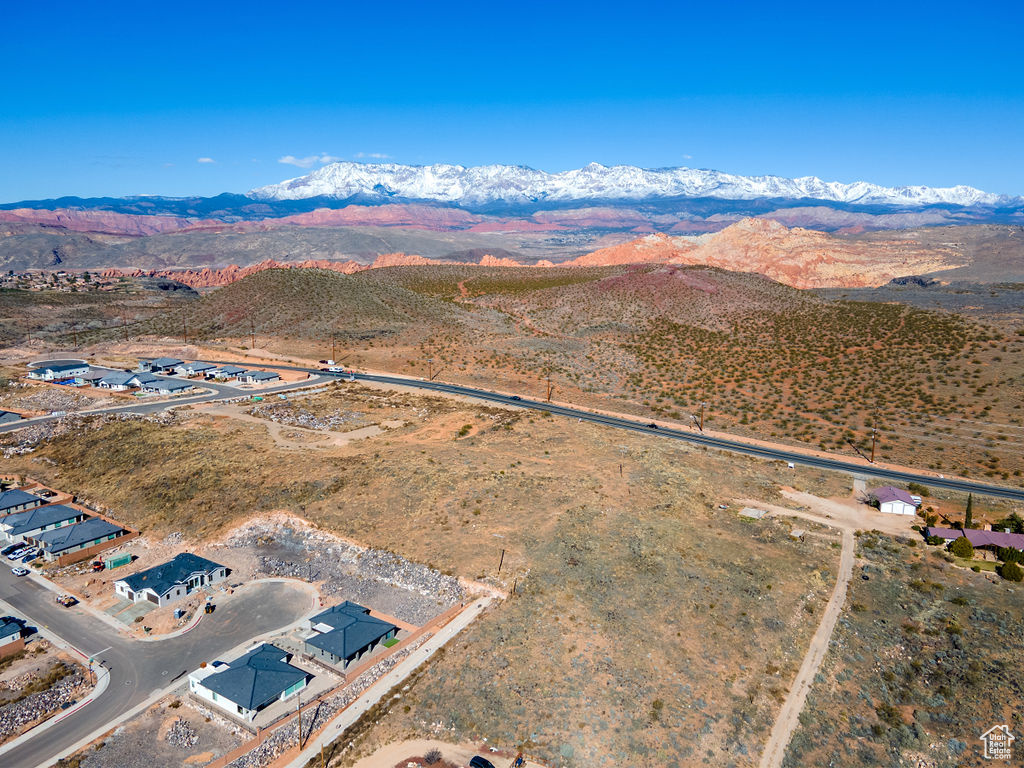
(16, 553)
(19, 571)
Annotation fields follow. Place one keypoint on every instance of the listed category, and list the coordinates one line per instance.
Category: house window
(214, 696)
(297, 687)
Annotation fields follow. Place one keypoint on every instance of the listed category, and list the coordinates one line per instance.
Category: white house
(249, 684)
(893, 501)
(193, 369)
(59, 372)
(258, 377)
(170, 581)
(118, 381)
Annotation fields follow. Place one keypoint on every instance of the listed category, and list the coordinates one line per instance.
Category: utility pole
(550, 389)
(184, 331)
(75, 332)
(502, 560)
(701, 415)
(430, 369)
(252, 333)
(124, 324)
(334, 348)
(874, 437)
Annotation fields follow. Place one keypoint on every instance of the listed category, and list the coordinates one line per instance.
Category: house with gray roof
(74, 538)
(160, 364)
(17, 500)
(161, 385)
(194, 369)
(58, 372)
(226, 372)
(118, 381)
(90, 378)
(23, 525)
(345, 633)
(894, 501)
(143, 379)
(162, 584)
(250, 683)
(258, 377)
(9, 417)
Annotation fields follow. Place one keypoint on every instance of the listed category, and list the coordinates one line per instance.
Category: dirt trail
(311, 438)
(788, 718)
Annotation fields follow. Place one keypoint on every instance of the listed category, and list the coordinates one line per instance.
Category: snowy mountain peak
(480, 185)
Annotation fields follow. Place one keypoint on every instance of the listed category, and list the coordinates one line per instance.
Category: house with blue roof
(11, 640)
(162, 584)
(22, 525)
(258, 377)
(58, 372)
(74, 538)
(345, 633)
(226, 372)
(194, 369)
(249, 684)
(160, 364)
(161, 385)
(118, 381)
(17, 500)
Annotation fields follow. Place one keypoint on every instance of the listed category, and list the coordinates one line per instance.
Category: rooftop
(165, 362)
(38, 517)
(161, 578)
(89, 530)
(980, 538)
(8, 629)
(887, 493)
(15, 498)
(257, 678)
(352, 629)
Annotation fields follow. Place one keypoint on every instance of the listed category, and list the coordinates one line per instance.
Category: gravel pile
(293, 416)
(182, 735)
(381, 580)
(286, 736)
(14, 717)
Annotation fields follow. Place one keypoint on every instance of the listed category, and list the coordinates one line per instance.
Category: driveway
(139, 669)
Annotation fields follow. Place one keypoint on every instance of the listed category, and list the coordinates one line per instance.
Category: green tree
(1010, 555)
(969, 514)
(1011, 571)
(962, 548)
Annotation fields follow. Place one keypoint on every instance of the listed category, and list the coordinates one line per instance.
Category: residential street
(138, 669)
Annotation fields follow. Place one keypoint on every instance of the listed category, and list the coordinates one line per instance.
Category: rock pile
(17, 715)
(181, 734)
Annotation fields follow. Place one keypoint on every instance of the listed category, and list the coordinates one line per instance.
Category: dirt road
(789, 715)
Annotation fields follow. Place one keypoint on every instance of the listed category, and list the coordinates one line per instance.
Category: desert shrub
(934, 540)
(432, 756)
(962, 548)
(1011, 571)
(918, 489)
(1010, 555)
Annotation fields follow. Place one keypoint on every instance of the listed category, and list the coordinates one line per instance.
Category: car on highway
(515, 397)
(16, 553)
(19, 571)
(652, 425)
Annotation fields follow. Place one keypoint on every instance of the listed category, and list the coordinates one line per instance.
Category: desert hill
(798, 257)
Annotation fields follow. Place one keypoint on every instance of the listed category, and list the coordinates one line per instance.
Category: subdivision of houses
(21, 526)
(91, 532)
(162, 584)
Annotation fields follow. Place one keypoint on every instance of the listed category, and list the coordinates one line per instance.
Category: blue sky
(126, 98)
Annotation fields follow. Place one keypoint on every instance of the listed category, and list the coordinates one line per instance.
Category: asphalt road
(689, 436)
(145, 405)
(139, 669)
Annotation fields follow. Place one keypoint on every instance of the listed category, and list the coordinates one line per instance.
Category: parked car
(16, 553)
(10, 548)
(30, 555)
(19, 571)
(67, 600)
(480, 762)
(97, 565)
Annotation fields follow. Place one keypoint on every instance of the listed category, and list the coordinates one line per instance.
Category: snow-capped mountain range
(488, 184)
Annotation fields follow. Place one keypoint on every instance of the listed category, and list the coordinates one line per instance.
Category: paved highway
(137, 668)
(689, 436)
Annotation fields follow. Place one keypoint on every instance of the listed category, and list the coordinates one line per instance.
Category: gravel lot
(14, 717)
(380, 580)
